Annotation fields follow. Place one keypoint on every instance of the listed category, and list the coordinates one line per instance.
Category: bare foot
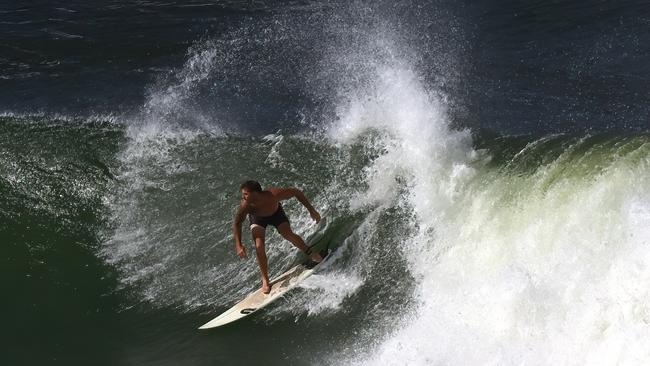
(316, 257)
(266, 288)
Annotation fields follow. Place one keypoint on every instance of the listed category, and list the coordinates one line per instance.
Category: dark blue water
(508, 66)
(483, 167)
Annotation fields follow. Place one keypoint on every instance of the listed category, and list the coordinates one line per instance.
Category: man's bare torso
(265, 205)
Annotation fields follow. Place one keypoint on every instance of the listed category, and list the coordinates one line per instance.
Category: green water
(115, 249)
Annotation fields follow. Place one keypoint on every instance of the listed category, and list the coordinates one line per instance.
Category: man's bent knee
(258, 232)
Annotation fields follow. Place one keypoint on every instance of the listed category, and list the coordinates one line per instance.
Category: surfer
(264, 208)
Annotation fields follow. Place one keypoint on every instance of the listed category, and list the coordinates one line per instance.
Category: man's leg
(285, 230)
(258, 236)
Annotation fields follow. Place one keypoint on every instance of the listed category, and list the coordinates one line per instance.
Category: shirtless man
(264, 208)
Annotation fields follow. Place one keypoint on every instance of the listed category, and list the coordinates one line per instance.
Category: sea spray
(545, 267)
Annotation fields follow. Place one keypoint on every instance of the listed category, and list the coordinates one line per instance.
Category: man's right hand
(241, 251)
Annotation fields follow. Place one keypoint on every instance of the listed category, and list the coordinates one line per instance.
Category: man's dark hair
(251, 185)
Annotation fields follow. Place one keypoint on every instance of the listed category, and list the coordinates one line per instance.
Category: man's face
(246, 194)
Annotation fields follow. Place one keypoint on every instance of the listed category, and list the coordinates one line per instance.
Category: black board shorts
(276, 219)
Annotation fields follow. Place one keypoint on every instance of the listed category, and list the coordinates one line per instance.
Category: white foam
(523, 270)
(416, 141)
(543, 269)
(327, 291)
(142, 246)
(57, 117)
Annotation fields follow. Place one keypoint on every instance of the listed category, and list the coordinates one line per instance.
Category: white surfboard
(258, 300)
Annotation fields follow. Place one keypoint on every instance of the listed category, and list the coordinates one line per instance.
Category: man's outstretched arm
(286, 193)
(236, 230)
